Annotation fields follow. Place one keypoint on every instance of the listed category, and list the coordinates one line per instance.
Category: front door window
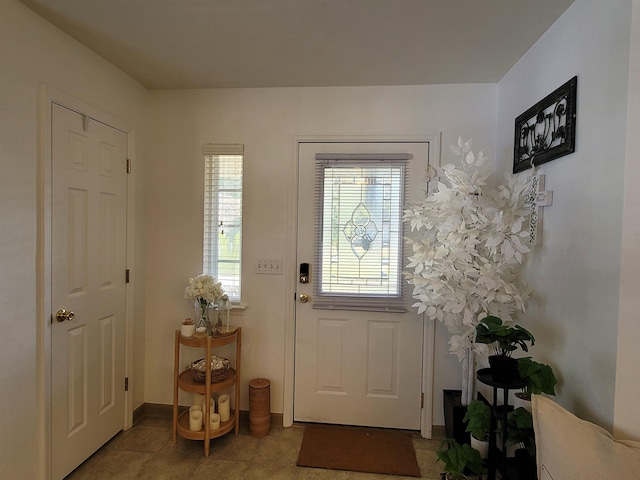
(360, 229)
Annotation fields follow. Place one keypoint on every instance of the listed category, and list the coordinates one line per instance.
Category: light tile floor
(147, 451)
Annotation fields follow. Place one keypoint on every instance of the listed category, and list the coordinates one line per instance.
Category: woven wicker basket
(259, 407)
(219, 369)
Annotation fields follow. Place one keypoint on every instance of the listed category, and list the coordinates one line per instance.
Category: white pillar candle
(212, 404)
(198, 399)
(212, 407)
(224, 407)
(195, 420)
(196, 408)
(214, 423)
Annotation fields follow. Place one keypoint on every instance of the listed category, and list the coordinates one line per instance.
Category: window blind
(222, 243)
(359, 247)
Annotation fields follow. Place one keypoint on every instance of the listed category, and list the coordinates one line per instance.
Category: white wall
(576, 273)
(626, 418)
(266, 121)
(33, 53)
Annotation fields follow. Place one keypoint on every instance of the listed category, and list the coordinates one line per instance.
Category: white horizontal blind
(222, 245)
(359, 232)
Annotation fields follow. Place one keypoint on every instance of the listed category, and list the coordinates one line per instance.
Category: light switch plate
(268, 266)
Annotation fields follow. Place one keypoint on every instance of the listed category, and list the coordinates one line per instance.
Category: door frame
(48, 97)
(428, 348)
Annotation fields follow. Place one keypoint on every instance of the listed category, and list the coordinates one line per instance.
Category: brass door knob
(62, 315)
(304, 298)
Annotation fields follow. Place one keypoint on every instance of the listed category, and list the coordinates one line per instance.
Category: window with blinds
(359, 231)
(222, 249)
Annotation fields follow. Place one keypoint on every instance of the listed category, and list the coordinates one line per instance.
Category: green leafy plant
(539, 377)
(458, 458)
(478, 419)
(504, 338)
(520, 430)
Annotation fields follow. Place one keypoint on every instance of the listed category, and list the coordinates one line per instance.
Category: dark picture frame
(548, 129)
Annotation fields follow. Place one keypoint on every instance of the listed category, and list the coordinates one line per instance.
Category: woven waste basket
(259, 407)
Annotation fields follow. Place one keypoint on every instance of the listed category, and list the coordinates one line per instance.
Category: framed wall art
(547, 130)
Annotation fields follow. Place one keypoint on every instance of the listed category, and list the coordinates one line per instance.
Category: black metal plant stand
(497, 460)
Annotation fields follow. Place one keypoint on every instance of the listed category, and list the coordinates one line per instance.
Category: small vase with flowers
(206, 293)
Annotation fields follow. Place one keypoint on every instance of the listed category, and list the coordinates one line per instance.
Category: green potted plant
(460, 460)
(539, 378)
(520, 433)
(478, 420)
(505, 339)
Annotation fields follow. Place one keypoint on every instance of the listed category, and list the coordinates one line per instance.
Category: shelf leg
(491, 472)
(237, 395)
(176, 371)
(207, 401)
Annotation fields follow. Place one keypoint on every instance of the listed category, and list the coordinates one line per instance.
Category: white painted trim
(428, 352)
(50, 96)
(130, 287)
(429, 340)
(434, 141)
(290, 285)
(43, 275)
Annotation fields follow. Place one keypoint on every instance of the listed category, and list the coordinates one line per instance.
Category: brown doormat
(358, 449)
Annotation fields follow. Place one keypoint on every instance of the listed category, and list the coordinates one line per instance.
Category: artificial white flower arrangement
(467, 246)
(205, 290)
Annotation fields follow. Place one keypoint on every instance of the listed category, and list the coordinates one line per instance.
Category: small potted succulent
(460, 460)
(478, 420)
(187, 328)
(505, 339)
(539, 378)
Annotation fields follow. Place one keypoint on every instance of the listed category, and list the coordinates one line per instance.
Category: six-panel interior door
(88, 250)
(354, 367)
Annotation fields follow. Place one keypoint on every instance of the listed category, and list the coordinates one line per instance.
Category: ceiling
(174, 44)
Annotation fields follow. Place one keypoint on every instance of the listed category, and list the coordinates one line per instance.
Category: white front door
(356, 363)
(88, 262)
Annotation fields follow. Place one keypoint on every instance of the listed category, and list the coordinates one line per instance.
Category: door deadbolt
(62, 315)
(304, 273)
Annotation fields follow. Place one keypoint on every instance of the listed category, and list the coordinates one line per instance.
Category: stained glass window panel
(360, 220)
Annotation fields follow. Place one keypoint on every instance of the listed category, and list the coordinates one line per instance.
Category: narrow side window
(222, 244)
